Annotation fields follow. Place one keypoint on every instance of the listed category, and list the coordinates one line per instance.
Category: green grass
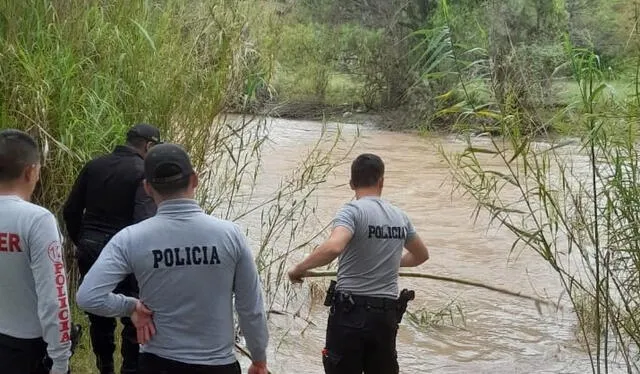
(568, 92)
(450, 314)
(341, 89)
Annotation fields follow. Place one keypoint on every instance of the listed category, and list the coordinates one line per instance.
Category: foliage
(573, 204)
(521, 42)
(450, 314)
(77, 74)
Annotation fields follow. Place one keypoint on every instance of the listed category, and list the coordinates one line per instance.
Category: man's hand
(259, 367)
(142, 320)
(295, 275)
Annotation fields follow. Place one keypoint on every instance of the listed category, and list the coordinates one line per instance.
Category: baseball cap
(145, 131)
(166, 164)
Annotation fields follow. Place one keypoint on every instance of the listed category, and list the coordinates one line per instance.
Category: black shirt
(108, 195)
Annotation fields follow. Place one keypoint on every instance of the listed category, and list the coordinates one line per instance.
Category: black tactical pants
(22, 356)
(152, 364)
(102, 329)
(361, 336)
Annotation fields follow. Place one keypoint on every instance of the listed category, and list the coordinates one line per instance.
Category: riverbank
(561, 116)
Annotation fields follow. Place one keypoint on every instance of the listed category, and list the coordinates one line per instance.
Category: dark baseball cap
(167, 163)
(145, 131)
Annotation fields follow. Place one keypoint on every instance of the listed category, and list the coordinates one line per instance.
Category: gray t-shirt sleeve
(411, 231)
(95, 294)
(249, 301)
(346, 217)
(47, 265)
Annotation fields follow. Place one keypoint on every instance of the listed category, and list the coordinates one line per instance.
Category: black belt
(370, 301)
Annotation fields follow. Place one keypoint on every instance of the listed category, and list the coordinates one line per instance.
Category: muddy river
(478, 331)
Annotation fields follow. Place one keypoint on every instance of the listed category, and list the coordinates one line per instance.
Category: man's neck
(182, 196)
(367, 192)
(134, 149)
(12, 190)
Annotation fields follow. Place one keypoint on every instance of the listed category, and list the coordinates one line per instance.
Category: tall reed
(573, 202)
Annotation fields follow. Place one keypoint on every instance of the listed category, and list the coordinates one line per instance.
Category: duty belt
(400, 304)
(370, 301)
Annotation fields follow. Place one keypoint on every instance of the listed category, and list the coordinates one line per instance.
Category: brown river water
(499, 333)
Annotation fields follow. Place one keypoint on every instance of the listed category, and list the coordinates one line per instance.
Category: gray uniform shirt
(33, 286)
(370, 263)
(189, 265)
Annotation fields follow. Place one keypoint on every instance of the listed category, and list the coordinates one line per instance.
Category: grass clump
(450, 314)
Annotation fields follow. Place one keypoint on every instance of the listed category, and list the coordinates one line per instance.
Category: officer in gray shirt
(35, 317)
(189, 267)
(368, 236)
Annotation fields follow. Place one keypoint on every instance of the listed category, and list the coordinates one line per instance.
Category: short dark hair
(17, 150)
(173, 187)
(366, 170)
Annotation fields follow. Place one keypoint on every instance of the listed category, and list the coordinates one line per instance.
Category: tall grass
(573, 202)
(76, 74)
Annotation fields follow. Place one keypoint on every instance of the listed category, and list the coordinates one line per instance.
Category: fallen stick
(321, 274)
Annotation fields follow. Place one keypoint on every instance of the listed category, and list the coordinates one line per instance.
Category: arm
(48, 269)
(344, 225)
(417, 252)
(326, 252)
(249, 304)
(95, 294)
(143, 207)
(74, 206)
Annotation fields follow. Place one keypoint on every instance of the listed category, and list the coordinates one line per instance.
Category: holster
(331, 291)
(403, 301)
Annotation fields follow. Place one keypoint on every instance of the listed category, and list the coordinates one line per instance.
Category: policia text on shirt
(196, 255)
(37, 335)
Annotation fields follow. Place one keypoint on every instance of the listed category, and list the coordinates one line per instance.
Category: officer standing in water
(368, 235)
(189, 266)
(35, 318)
(107, 196)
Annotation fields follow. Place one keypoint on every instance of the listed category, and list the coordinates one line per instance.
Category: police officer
(34, 310)
(107, 196)
(368, 235)
(190, 266)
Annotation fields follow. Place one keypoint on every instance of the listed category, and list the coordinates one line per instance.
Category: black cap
(166, 164)
(145, 131)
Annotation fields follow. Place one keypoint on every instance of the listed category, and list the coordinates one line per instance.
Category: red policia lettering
(55, 254)
(9, 242)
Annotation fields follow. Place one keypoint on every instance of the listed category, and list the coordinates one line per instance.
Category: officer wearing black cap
(107, 196)
(193, 270)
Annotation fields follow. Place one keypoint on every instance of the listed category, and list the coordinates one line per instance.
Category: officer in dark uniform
(108, 196)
